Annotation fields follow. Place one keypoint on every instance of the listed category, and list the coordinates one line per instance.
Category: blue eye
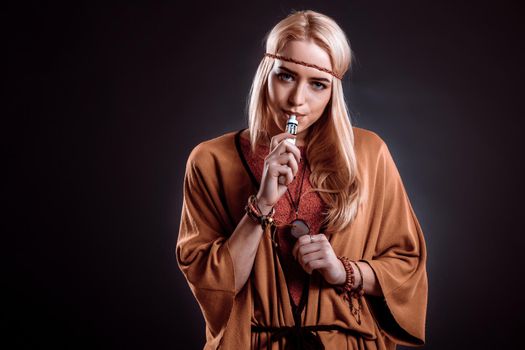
(318, 85)
(285, 77)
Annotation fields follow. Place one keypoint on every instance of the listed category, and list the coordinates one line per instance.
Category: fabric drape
(385, 234)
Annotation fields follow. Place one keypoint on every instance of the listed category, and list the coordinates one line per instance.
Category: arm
(244, 241)
(398, 258)
(370, 284)
(243, 244)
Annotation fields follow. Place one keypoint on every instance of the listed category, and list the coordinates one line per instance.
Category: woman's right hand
(282, 161)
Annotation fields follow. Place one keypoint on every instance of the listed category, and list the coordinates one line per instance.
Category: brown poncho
(385, 234)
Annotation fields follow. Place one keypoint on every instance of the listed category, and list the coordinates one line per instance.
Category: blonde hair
(332, 160)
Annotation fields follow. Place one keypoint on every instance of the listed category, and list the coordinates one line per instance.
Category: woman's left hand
(316, 253)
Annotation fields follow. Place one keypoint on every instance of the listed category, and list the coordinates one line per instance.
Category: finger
(305, 259)
(298, 245)
(275, 169)
(303, 246)
(314, 238)
(277, 139)
(321, 237)
(289, 159)
(286, 147)
(315, 265)
(309, 248)
(307, 244)
(284, 173)
(282, 151)
(305, 239)
(279, 146)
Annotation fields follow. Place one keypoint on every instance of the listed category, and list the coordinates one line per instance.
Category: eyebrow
(295, 73)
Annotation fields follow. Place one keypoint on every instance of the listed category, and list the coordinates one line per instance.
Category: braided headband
(284, 58)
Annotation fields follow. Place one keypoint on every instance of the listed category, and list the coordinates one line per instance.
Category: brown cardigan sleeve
(202, 252)
(400, 259)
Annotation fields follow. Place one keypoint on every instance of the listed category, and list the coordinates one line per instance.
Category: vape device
(291, 127)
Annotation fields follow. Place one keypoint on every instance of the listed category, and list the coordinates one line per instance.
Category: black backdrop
(105, 102)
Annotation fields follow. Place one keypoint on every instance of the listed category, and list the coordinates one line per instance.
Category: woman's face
(298, 89)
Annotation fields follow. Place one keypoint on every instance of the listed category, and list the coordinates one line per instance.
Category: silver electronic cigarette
(291, 127)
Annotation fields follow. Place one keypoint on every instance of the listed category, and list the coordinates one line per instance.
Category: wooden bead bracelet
(253, 211)
(349, 286)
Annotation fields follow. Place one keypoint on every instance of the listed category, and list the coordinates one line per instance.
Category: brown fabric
(385, 234)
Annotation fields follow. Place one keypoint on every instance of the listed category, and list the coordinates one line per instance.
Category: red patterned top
(311, 208)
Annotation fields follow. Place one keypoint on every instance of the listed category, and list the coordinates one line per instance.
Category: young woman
(312, 245)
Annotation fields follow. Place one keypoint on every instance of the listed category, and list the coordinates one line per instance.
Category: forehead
(306, 51)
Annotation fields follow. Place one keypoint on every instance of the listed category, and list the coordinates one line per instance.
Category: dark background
(105, 102)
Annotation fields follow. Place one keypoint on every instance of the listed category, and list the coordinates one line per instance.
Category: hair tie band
(284, 58)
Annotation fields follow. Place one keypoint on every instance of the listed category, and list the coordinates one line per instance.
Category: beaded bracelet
(350, 276)
(347, 288)
(349, 285)
(253, 211)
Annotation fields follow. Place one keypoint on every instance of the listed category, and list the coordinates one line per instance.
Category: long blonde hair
(330, 144)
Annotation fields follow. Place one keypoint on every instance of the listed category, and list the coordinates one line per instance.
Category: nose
(297, 95)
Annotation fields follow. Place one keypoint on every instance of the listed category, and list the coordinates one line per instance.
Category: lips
(289, 113)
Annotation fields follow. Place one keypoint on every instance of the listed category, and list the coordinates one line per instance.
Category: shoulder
(367, 142)
(214, 151)
(372, 153)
